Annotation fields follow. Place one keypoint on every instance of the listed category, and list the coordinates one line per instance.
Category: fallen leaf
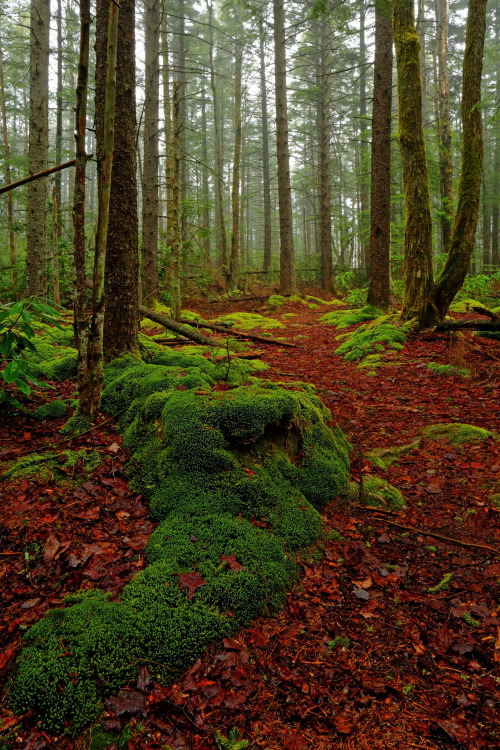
(232, 563)
(50, 548)
(191, 581)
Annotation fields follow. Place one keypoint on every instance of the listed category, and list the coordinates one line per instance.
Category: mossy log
(179, 328)
(239, 334)
(471, 325)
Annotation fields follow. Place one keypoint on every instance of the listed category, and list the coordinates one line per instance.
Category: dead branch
(37, 175)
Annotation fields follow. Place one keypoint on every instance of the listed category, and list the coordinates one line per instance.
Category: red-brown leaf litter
(369, 652)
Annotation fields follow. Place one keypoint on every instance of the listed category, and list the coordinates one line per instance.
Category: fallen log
(232, 332)
(470, 325)
(179, 328)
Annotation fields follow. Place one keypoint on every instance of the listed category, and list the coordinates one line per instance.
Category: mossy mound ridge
(247, 321)
(466, 305)
(346, 318)
(55, 357)
(235, 476)
(459, 434)
(51, 465)
(372, 340)
(377, 492)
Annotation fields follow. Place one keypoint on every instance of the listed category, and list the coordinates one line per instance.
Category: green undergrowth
(52, 410)
(448, 370)
(247, 321)
(330, 303)
(236, 471)
(372, 339)
(458, 433)
(51, 465)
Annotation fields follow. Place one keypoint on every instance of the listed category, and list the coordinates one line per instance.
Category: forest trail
(390, 640)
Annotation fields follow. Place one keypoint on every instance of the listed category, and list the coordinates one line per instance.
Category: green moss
(234, 476)
(289, 315)
(369, 339)
(385, 457)
(457, 433)
(448, 370)
(53, 410)
(465, 305)
(345, 318)
(378, 493)
(52, 465)
(331, 303)
(77, 424)
(276, 300)
(248, 321)
(294, 298)
(495, 500)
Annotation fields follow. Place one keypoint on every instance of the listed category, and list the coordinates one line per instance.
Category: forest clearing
(249, 375)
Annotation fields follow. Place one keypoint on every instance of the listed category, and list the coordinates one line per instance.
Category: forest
(249, 374)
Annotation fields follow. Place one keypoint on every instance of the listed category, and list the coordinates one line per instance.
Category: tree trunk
(59, 117)
(287, 263)
(36, 220)
(466, 217)
(121, 285)
(235, 189)
(418, 223)
(486, 223)
(495, 187)
(81, 321)
(324, 135)
(423, 69)
(55, 249)
(380, 214)
(444, 142)
(10, 212)
(266, 179)
(167, 116)
(181, 77)
(175, 271)
(364, 219)
(218, 145)
(205, 188)
(149, 250)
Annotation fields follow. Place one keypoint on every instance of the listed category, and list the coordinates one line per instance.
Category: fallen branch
(472, 325)
(487, 312)
(179, 328)
(37, 175)
(424, 532)
(232, 332)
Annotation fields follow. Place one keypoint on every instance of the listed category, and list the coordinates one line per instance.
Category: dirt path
(366, 654)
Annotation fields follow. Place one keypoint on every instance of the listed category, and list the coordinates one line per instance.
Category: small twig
(424, 532)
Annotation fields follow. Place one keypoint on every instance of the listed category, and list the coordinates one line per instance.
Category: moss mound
(248, 321)
(276, 300)
(465, 306)
(345, 318)
(331, 303)
(235, 476)
(55, 358)
(53, 410)
(457, 433)
(448, 370)
(373, 338)
(385, 457)
(378, 493)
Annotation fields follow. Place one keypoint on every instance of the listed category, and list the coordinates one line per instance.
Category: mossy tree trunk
(380, 214)
(10, 210)
(444, 131)
(466, 217)
(121, 283)
(418, 274)
(266, 178)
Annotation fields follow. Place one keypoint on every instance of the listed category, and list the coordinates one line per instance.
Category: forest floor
(370, 652)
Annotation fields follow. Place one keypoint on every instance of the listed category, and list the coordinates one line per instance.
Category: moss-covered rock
(457, 433)
(52, 410)
(385, 457)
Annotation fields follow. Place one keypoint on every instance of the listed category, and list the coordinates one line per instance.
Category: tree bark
(444, 141)
(149, 250)
(495, 210)
(121, 285)
(55, 249)
(167, 116)
(324, 135)
(364, 219)
(59, 116)
(380, 214)
(418, 270)
(10, 211)
(287, 262)
(175, 269)
(205, 188)
(235, 189)
(218, 144)
(36, 221)
(486, 223)
(423, 69)
(466, 217)
(266, 179)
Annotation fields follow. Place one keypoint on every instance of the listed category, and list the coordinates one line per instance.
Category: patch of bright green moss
(248, 321)
(385, 457)
(344, 318)
(276, 300)
(495, 500)
(465, 305)
(372, 338)
(457, 433)
(55, 359)
(289, 315)
(378, 493)
(51, 465)
(448, 370)
(331, 303)
(53, 410)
